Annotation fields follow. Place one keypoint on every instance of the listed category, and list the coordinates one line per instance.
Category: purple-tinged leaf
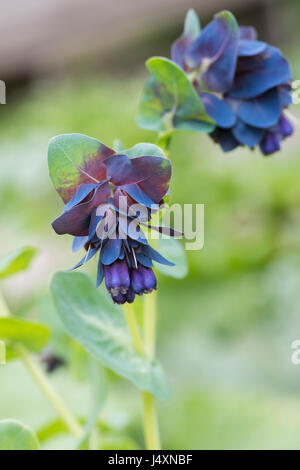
(156, 256)
(127, 206)
(247, 32)
(110, 251)
(151, 174)
(191, 31)
(257, 74)
(218, 110)
(169, 231)
(76, 220)
(122, 253)
(138, 195)
(263, 111)
(79, 243)
(80, 263)
(285, 96)
(215, 51)
(107, 225)
(95, 220)
(89, 255)
(250, 48)
(132, 229)
(247, 135)
(143, 259)
(82, 192)
(76, 159)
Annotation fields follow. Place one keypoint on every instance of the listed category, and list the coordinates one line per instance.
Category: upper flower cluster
(108, 197)
(243, 83)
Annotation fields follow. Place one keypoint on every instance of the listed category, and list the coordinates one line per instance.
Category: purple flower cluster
(244, 83)
(106, 218)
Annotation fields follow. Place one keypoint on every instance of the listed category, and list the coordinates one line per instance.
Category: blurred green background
(225, 331)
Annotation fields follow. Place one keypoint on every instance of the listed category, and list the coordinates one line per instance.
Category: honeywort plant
(221, 81)
(108, 197)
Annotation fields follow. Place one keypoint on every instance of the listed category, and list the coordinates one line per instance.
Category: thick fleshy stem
(43, 383)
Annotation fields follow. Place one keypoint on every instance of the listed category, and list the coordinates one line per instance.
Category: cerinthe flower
(244, 83)
(105, 210)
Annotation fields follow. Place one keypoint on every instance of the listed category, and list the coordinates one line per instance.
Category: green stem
(150, 424)
(150, 314)
(133, 328)
(151, 429)
(43, 383)
(49, 392)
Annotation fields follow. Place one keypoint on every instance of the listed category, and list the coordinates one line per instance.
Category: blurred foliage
(225, 331)
(15, 436)
(18, 260)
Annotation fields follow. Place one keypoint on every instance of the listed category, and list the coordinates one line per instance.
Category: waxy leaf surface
(16, 261)
(14, 435)
(169, 100)
(76, 159)
(99, 326)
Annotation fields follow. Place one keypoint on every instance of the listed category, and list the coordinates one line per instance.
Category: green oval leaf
(16, 261)
(169, 101)
(173, 250)
(16, 436)
(74, 159)
(19, 331)
(92, 319)
(144, 149)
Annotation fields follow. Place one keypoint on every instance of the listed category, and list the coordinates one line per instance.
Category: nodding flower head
(105, 214)
(244, 83)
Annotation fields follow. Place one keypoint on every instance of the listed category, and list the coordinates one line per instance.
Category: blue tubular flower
(244, 83)
(106, 218)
